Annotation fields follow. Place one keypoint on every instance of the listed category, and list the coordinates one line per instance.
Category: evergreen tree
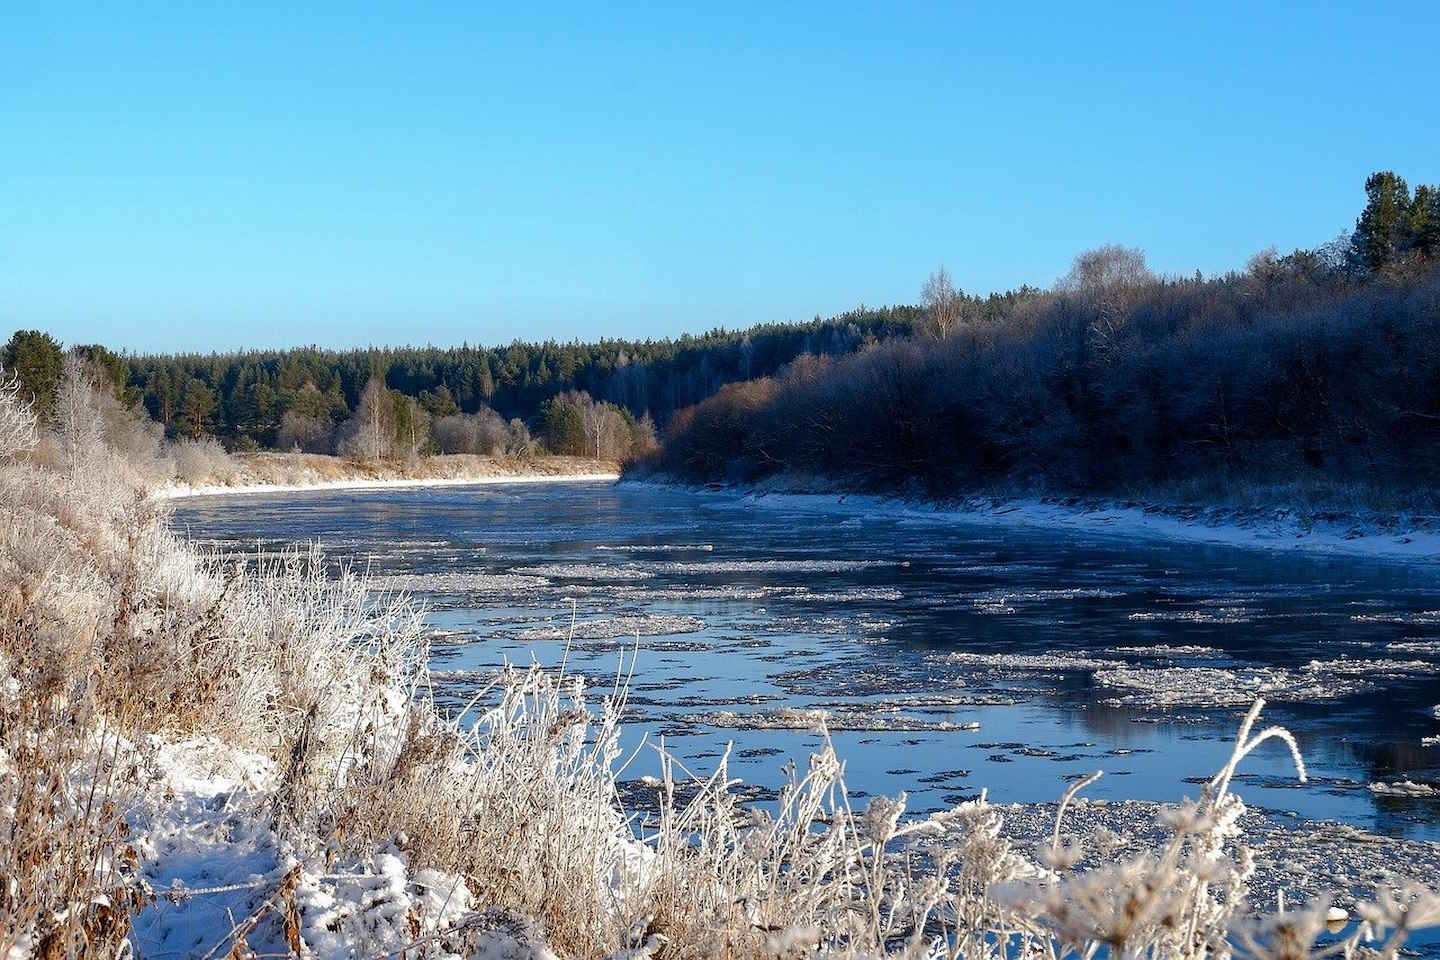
(197, 404)
(35, 359)
(1380, 231)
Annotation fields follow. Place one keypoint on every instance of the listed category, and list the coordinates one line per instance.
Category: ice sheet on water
(1422, 647)
(1211, 615)
(606, 628)
(1024, 662)
(1349, 667)
(853, 595)
(455, 583)
(584, 571)
(1041, 596)
(1404, 788)
(1218, 687)
(1172, 652)
(772, 566)
(656, 547)
(1306, 859)
(847, 717)
(1420, 616)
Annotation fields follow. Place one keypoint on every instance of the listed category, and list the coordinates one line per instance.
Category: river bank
(296, 472)
(1347, 531)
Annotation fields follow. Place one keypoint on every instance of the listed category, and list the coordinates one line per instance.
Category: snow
(1278, 529)
(179, 491)
(204, 833)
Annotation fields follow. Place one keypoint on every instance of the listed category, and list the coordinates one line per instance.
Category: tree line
(573, 398)
(1322, 363)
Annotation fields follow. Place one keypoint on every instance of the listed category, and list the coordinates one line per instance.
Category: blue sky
(206, 176)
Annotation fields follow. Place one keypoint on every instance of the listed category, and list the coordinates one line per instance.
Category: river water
(949, 656)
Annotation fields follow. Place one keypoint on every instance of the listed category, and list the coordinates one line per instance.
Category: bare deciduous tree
(79, 420)
(942, 304)
(1109, 278)
(1106, 268)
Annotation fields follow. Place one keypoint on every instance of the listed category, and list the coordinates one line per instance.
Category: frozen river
(949, 657)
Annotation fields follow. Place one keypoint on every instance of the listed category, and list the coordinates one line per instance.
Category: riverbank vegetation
(1311, 370)
(204, 757)
(460, 400)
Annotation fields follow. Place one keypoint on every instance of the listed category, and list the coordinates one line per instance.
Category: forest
(459, 400)
(1317, 366)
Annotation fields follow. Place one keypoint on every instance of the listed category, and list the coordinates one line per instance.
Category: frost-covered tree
(942, 304)
(17, 417)
(79, 423)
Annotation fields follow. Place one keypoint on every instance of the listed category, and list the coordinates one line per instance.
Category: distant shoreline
(180, 492)
(297, 473)
(1274, 529)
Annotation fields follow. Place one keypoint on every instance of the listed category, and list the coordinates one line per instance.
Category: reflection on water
(1069, 653)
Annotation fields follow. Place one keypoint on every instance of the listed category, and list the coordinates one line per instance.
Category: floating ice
(645, 625)
(1212, 615)
(1422, 616)
(847, 717)
(1216, 687)
(584, 571)
(1028, 661)
(855, 595)
(490, 583)
(1168, 651)
(1404, 788)
(772, 566)
(1415, 646)
(656, 547)
(1369, 667)
(1040, 596)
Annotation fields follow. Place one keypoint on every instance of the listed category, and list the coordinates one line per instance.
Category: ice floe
(1211, 615)
(848, 717)
(1404, 788)
(456, 583)
(644, 625)
(656, 547)
(1219, 687)
(584, 571)
(772, 566)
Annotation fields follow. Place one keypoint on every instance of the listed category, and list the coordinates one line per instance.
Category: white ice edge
(181, 491)
(1275, 534)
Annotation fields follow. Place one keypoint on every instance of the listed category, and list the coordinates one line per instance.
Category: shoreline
(183, 492)
(1276, 530)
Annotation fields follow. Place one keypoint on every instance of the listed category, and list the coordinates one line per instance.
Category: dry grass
(303, 469)
(117, 635)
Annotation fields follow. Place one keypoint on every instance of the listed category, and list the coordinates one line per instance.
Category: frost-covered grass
(208, 758)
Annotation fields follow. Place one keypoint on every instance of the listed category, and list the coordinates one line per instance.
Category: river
(949, 656)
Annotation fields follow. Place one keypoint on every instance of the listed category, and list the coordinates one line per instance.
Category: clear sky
(208, 176)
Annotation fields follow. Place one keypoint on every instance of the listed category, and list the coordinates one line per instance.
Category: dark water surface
(1070, 652)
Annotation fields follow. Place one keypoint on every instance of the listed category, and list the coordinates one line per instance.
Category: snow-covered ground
(178, 491)
(226, 883)
(1277, 529)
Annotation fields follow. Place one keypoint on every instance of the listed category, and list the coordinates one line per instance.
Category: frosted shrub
(202, 461)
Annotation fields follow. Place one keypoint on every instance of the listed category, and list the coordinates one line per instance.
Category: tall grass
(503, 821)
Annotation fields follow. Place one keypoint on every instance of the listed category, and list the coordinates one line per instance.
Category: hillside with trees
(1316, 367)
(601, 399)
